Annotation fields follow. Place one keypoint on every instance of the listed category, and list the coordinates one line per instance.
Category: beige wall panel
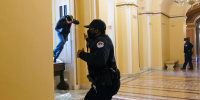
(156, 41)
(168, 7)
(127, 39)
(126, 1)
(134, 40)
(142, 6)
(165, 38)
(149, 5)
(84, 15)
(177, 31)
(121, 40)
(103, 12)
(26, 50)
(155, 5)
(143, 53)
(175, 10)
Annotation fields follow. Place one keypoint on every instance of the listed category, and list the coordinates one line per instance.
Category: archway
(198, 38)
(193, 15)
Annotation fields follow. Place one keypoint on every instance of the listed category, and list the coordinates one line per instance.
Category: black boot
(190, 68)
(183, 68)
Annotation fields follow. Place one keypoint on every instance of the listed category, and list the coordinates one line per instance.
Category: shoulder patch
(100, 44)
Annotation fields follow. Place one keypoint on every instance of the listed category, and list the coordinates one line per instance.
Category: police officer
(103, 72)
(63, 29)
(188, 53)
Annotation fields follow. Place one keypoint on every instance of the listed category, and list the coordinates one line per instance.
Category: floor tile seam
(123, 78)
(167, 89)
(157, 95)
(127, 78)
(136, 86)
(163, 82)
(141, 96)
(173, 73)
(190, 79)
(127, 81)
(149, 97)
(130, 79)
(170, 76)
(121, 97)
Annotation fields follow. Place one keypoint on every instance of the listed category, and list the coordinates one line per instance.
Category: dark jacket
(101, 55)
(63, 27)
(188, 48)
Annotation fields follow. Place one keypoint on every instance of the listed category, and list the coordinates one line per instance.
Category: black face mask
(91, 34)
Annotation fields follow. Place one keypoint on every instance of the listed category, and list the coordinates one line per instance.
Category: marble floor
(69, 95)
(161, 85)
(157, 85)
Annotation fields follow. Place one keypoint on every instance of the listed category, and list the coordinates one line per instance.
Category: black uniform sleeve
(100, 55)
(75, 21)
(191, 45)
(188, 48)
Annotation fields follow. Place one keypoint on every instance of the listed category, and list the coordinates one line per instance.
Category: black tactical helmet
(97, 23)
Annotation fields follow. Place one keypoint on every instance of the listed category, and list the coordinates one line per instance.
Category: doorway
(61, 8)
(198, 39)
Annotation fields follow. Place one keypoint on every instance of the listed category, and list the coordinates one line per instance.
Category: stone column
(127, 51)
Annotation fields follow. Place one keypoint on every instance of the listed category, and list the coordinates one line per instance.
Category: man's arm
(75, 21)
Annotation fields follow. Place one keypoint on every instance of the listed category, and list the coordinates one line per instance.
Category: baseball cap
(97, 23)
(186, 39)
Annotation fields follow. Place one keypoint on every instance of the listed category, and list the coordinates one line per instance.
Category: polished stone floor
(157, 85)
(69, 95)
(161, 85)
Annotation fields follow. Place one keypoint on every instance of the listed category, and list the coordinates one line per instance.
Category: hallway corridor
(161, 85)
(154, 85)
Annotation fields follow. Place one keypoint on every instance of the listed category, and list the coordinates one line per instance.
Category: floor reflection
(162, 85)
(154, 85)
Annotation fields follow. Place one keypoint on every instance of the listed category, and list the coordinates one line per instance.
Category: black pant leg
(103, 92)
(190, 62)
(186, 62)
(91, 94)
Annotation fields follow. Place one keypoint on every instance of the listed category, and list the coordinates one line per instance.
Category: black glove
(75, 21)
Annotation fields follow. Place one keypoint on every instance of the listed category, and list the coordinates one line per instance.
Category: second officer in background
(188, 54)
